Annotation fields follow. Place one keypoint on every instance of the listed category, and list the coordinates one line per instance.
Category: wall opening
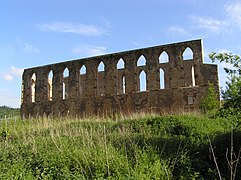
(64, 91)
(65, 82)
(141, 61)
(162, 79)
(163, 58)
(193, 77)
(100, 79)
(101, 67)
(120, 64)
(142, 81)
(33, 87)
(123, 85)
(82, 72)
(187, 54)
(50, 86)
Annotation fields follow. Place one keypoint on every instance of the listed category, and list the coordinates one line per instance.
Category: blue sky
(42, 32)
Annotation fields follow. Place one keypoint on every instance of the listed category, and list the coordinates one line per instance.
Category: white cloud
(232, 19)
(209, 23)
(178, 30)
(12, 73)
(8, 77)
(16, 71)
(31, 49)
(88, 50)
(233, 11)
(80, 29)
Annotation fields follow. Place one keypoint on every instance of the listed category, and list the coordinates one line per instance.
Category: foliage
(232, 93)
(6, 111)
(210, 102)
(146, 147)
(229, 58)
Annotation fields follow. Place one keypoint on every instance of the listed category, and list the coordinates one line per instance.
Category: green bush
(232, 93)
(210, 102)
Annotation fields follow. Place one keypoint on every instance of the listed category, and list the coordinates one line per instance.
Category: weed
(136, 147)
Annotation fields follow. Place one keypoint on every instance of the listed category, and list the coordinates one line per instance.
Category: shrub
(210, 102)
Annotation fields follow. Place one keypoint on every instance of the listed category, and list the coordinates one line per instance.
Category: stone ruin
(156, 79)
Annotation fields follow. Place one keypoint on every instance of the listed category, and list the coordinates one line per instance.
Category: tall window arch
(50, 85)
(120, 64)
(163, 58)
(193, 77)
(162, 79)
(82, 70)
(100, 79)
(123, 84)
(101, 67)
(142, 81)
(66, 72)
(33, 87)
(65, 80)
(187, 54)
(141, 61)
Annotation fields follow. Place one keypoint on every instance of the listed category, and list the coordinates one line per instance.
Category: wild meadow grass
(140, 146)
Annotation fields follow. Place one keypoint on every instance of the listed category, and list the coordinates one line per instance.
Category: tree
(210, 102)
(232, 94)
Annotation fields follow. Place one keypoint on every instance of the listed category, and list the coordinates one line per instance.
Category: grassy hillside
(138, 147)
(6, 111)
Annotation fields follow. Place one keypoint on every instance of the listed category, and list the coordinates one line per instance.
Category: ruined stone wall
(113, 83)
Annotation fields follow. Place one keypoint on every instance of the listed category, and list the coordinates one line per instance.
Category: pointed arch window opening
(100, 79)
(120, 64)
(82, 70)
(50, 85)
(33, 87)
(162, 79)
(164, 57)
(66, 72)
(187, 54)
(64, 85)
(141, 61)
(142, 81)
(101, 67)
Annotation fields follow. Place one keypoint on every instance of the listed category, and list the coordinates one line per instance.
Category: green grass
(137, 147)
(6, 111)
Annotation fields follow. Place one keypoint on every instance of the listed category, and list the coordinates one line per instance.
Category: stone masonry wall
(100, 86)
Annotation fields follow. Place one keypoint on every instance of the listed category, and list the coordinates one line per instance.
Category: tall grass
(141, 146)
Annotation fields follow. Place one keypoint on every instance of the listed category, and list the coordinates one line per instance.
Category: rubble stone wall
(117, 83)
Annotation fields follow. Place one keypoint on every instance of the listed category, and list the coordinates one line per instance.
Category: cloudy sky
(41, 32)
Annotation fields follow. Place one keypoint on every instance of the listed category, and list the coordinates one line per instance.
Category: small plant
(210, 102)
(3, 135)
